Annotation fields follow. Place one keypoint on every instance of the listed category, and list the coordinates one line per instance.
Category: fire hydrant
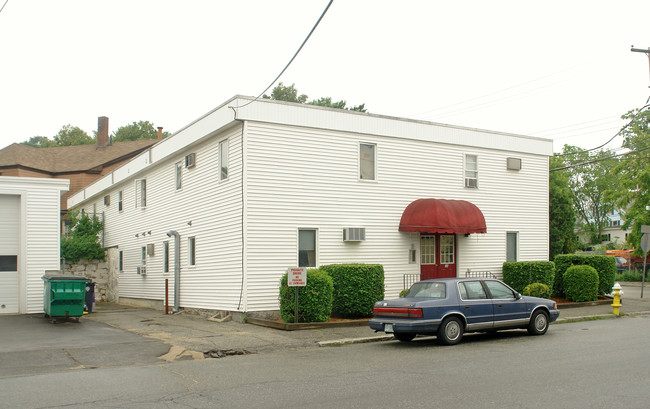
(616, 305)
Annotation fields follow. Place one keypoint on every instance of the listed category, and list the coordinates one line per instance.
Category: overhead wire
(575, 165)
(292, 58)
(3, 6)
(610, 139)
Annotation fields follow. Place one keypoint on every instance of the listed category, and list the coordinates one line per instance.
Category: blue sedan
(449, 307)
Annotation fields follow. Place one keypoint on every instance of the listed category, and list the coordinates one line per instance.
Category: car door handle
(467, 307)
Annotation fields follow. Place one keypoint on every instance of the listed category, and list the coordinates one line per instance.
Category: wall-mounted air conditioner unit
(141, 270)
(150, 249)
(354, 234)
(190, 160)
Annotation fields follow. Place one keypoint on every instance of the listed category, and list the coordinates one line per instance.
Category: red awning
(442, 216)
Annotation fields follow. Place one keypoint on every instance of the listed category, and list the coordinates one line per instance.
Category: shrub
(537, 290)
(356, 288)
(604, 265)
(314, 299)
(581, 283)
(519, 274)
(83, 239)
(403, 292)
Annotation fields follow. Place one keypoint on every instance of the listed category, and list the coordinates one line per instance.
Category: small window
(9, 263)
(191, 251)
(367, 162)
(121, 261)
(141, 193)
(179, 175)
(447, 249)
(223, 160)
(119, 201)
(107, 200)
(512, 246)
(166, 257)
(143, 258)
(413, 256)
(471, 171)
(190, 160)
(306, 248)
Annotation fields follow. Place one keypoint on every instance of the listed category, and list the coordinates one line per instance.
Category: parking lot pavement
(30, 344)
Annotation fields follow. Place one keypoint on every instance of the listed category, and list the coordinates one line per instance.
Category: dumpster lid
(62, 277)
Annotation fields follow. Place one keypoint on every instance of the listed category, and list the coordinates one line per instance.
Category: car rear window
(427, 290)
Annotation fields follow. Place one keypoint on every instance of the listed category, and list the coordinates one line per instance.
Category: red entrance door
(437, 256)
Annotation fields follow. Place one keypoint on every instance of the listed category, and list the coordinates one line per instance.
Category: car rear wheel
(404, 337)
(450, 331)
(538, 323)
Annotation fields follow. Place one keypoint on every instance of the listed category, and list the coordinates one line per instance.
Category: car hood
(537, 300)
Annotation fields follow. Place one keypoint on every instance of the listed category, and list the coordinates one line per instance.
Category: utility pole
(641, 50)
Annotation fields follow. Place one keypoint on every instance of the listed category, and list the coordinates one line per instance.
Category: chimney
(102, 131)
(160, 132)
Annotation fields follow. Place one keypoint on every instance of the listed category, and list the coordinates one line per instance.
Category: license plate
(388, 327)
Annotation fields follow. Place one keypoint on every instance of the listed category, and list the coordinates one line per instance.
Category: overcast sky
(556, 69)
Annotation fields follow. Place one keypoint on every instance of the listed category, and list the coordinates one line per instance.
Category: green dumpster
(64, 296)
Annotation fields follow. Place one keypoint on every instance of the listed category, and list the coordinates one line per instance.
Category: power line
(612, 138)
(3, 6)
(575, 165)
(292, 58)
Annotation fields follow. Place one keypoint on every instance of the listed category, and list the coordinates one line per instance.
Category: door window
(428, 250)
(447, 249)
(472, 290)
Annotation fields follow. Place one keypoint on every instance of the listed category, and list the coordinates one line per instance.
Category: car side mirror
(517, 296)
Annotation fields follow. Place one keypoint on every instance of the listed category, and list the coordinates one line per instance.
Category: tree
(40, 142)
(590, 180)
(72, 135)
(290, 94)
(634, 176)
(136, 131)
(562, 217)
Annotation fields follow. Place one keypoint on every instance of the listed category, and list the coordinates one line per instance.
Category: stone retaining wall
(103, 273)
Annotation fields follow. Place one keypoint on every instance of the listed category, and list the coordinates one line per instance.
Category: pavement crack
(79, 364)
(191, 386)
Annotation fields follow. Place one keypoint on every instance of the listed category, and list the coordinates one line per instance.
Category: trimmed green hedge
(538, 290)
(604, 265)
(519, 274)
(314, 300)
(356, 288)
(581, 283)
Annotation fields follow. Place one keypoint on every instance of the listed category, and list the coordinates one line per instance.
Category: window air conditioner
(354, 234)
(190, 160)
(150, 249)
(141, 270)
(471, 182)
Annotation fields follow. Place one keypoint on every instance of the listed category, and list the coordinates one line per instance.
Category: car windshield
(427, 290)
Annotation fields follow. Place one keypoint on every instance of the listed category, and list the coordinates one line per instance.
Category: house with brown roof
(81, 164)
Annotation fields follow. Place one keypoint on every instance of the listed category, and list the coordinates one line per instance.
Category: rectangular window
(9, 263)
(143, 259)
(141, 193)
(223, 159)
(512, 246)
(306, 248)
(166, 257)
(191, 251)
(427, 249)
(121, 261)
(119, 201)
(367, 162)
(471, 171)
(179, 175)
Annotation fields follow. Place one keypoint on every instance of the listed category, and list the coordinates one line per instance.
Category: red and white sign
(297, 277)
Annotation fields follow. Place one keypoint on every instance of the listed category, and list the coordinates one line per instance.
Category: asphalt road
(594, 364)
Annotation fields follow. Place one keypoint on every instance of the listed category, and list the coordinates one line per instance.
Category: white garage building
(29, 239)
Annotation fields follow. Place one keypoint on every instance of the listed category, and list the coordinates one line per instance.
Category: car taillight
(397, 312)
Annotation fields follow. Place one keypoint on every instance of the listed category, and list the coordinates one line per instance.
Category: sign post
(645, 246)
(296, 277)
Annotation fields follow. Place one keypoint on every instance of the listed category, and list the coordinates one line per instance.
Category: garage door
(9, 249)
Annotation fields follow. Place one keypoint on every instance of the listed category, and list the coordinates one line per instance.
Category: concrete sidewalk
(193, 333)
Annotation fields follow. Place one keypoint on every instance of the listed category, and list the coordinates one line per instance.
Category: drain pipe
(177, 268)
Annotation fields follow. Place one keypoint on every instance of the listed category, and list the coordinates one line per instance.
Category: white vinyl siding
(207, 210)
(284, 194)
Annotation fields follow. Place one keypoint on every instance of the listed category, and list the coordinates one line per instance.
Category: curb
(347, 341)
(292, 326)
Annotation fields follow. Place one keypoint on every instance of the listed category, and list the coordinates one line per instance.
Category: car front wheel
(450, 331)
(538, 323)
(404, 337)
